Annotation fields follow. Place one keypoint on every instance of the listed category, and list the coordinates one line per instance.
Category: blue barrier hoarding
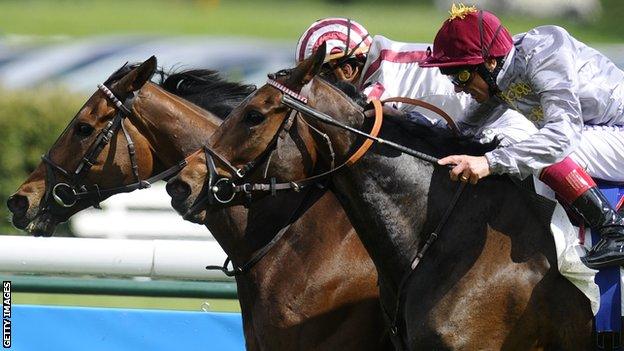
(63, 328)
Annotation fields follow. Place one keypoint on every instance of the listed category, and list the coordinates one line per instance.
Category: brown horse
(490, 280)
(298, 297)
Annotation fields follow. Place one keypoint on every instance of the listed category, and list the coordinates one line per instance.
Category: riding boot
(574, 186)
(600, 215)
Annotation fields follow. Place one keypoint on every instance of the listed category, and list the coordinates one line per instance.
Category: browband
(281, 87)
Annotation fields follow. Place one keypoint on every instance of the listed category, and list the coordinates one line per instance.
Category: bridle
(67, 194)
(223, 190)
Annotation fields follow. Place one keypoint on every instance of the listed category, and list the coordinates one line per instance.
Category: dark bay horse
(298, 297)
(489, 282)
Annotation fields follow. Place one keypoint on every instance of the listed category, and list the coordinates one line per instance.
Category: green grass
(164, 303)
(267, 19)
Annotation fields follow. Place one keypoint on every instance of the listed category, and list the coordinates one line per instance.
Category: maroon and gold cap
(468, 37)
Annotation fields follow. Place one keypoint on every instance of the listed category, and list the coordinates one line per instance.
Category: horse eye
(254, 117)
(84, 129)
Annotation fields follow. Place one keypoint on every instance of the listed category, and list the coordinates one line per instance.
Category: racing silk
(392, 70)
(559, 84)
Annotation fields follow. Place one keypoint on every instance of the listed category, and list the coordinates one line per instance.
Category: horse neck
(386, 201)
(384, 195)
(172, 126)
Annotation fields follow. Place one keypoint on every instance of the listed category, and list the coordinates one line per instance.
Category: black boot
(600, 215)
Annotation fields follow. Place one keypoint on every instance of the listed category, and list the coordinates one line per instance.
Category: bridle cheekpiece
(67, 194)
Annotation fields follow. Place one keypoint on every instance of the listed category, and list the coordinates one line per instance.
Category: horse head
(265, 141)
(107, 148)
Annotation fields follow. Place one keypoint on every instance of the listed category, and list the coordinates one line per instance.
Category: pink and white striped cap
(336, 32)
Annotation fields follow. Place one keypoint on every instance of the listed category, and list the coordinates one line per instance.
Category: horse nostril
(178, 189)
(18, 204)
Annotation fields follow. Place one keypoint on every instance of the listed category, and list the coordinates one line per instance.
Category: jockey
(571, 92)
(381, 68)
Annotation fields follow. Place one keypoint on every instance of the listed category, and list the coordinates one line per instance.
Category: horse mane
(351, 91)
(205, 88)
(439, 142)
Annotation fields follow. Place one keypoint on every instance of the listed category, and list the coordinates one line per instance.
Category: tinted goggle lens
(461, 78)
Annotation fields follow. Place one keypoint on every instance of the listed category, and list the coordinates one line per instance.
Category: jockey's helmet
(469, 37)
(345, 39)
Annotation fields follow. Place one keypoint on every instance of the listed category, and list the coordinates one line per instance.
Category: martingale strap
(433, 236)
(298, 102)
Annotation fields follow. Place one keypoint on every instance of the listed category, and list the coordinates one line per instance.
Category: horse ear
(307, 69)
(135, 80)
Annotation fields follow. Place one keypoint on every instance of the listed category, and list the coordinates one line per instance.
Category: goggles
(462, 78)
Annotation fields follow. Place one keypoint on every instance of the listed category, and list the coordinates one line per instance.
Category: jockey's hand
(387, 111)
(467, 168)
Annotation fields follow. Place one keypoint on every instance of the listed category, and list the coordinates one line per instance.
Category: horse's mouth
(198, 217)
(20, 222)
(184, 209)
(42, 225)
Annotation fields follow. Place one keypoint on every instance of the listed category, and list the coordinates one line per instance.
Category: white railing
(111, 257)
(145, 215)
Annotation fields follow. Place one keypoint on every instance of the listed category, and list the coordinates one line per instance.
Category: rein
(289, 99)
(216, 190)
(68, 194)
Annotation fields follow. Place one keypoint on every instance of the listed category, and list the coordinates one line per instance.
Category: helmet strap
(348, 54)
(485, 51)
(490, 76)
